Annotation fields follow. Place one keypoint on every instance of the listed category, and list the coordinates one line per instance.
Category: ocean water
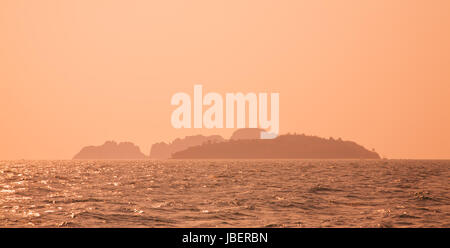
(225, 193)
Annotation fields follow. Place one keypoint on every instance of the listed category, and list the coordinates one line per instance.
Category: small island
(164, 150)
(111, 150)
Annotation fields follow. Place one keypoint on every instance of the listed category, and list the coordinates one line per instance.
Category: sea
(225, 193)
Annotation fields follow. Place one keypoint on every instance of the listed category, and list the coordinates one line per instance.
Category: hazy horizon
(79, 73)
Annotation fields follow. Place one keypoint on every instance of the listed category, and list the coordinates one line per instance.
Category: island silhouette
(243, 144)
(163, 150)
(283, 147)
(247, 133)
(111, 150)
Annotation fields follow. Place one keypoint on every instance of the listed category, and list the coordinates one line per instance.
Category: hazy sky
(76, 73)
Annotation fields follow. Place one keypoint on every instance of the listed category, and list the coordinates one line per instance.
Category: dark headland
(284, 146)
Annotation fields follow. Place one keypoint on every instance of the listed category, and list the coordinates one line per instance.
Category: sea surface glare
(225, 193)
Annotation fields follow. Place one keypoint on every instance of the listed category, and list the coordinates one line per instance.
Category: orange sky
(75, 73)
